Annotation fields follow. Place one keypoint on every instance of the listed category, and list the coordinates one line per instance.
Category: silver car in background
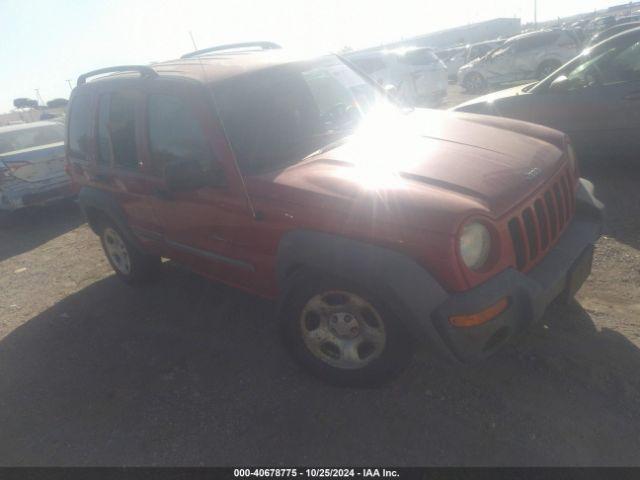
(417, 74)
(456, 57)
(529, 56)
(32, 160)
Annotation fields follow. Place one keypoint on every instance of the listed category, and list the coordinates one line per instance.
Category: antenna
(212, 96)
(193, 41)
(69, 82)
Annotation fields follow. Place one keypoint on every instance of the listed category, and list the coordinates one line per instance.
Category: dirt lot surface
(188, 372)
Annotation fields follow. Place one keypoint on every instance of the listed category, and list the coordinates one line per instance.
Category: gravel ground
(188, 372)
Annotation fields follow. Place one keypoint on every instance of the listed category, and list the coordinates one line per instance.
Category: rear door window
(540, 40)
(105, 153)
(80, 126)
(121, 129)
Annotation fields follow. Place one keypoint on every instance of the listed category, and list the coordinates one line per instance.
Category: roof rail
(144, 70)
(233, 46)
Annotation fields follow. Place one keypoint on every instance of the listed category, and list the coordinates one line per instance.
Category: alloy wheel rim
(342, 329)
(117, 250)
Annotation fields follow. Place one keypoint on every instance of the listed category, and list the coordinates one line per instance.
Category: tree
(57, 103)
(25, 103)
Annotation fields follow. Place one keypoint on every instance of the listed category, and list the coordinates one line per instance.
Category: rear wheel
(475, 83)
(130, 265)
(343, 333)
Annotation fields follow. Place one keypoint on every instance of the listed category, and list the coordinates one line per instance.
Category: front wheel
(130, 265)
(343, 333)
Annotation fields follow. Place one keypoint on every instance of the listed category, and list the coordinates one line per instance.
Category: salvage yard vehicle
(610, 32)
(595, 99)
(531, 55)
(418, 76)
(32, 159)
(298, 180)
(454, 58)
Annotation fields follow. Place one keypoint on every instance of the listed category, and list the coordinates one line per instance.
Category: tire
(130, 265)
(342, 333)
(475, 83)
(546, 68)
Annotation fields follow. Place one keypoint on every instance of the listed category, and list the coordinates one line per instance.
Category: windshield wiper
(329, 146)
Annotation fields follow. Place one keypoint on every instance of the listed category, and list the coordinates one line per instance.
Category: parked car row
(594, 98)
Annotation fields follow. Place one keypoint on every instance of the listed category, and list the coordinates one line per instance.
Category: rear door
(118, 167)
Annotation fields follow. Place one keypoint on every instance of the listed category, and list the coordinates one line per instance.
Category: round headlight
(475, 245)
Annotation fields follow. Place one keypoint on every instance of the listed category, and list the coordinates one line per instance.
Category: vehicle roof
(617, 36)
(213, 68)
(532, 34)
(26, 126)
(390, 51)
(488, 42)
(620, 27)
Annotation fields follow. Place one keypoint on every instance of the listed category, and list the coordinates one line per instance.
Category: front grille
(540, 223)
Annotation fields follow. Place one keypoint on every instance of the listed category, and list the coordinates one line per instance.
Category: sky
(44, 43)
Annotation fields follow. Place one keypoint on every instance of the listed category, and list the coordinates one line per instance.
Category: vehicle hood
(492, 97)
(432, 162)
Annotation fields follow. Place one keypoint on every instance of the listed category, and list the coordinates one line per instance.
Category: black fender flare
(91, 198)
(408, 289)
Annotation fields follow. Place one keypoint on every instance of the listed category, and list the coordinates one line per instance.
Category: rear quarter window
(80, 126)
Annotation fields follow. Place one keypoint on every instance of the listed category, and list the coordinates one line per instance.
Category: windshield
(30, 137)
(279, 115)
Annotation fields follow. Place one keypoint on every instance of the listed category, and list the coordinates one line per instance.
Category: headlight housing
(475, 245)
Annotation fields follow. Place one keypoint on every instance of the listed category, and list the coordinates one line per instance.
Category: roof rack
(144, 70)
(234, 46)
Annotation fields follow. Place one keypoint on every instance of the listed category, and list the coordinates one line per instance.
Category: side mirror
(184, 175)
(560, 84)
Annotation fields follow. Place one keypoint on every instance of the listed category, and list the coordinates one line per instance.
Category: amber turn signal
(481, 317)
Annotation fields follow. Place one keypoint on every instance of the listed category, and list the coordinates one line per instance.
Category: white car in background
(529, 56)
(32, 158)
(417, 74)
(456, 57)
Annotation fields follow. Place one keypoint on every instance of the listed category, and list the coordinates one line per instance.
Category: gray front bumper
(529, 294)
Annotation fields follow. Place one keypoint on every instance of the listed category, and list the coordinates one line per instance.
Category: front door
(199, 224)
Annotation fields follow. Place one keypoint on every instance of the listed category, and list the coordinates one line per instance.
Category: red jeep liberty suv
(299, 180)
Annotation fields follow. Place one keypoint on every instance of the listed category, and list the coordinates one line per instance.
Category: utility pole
(535, 12)
(39, 98)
